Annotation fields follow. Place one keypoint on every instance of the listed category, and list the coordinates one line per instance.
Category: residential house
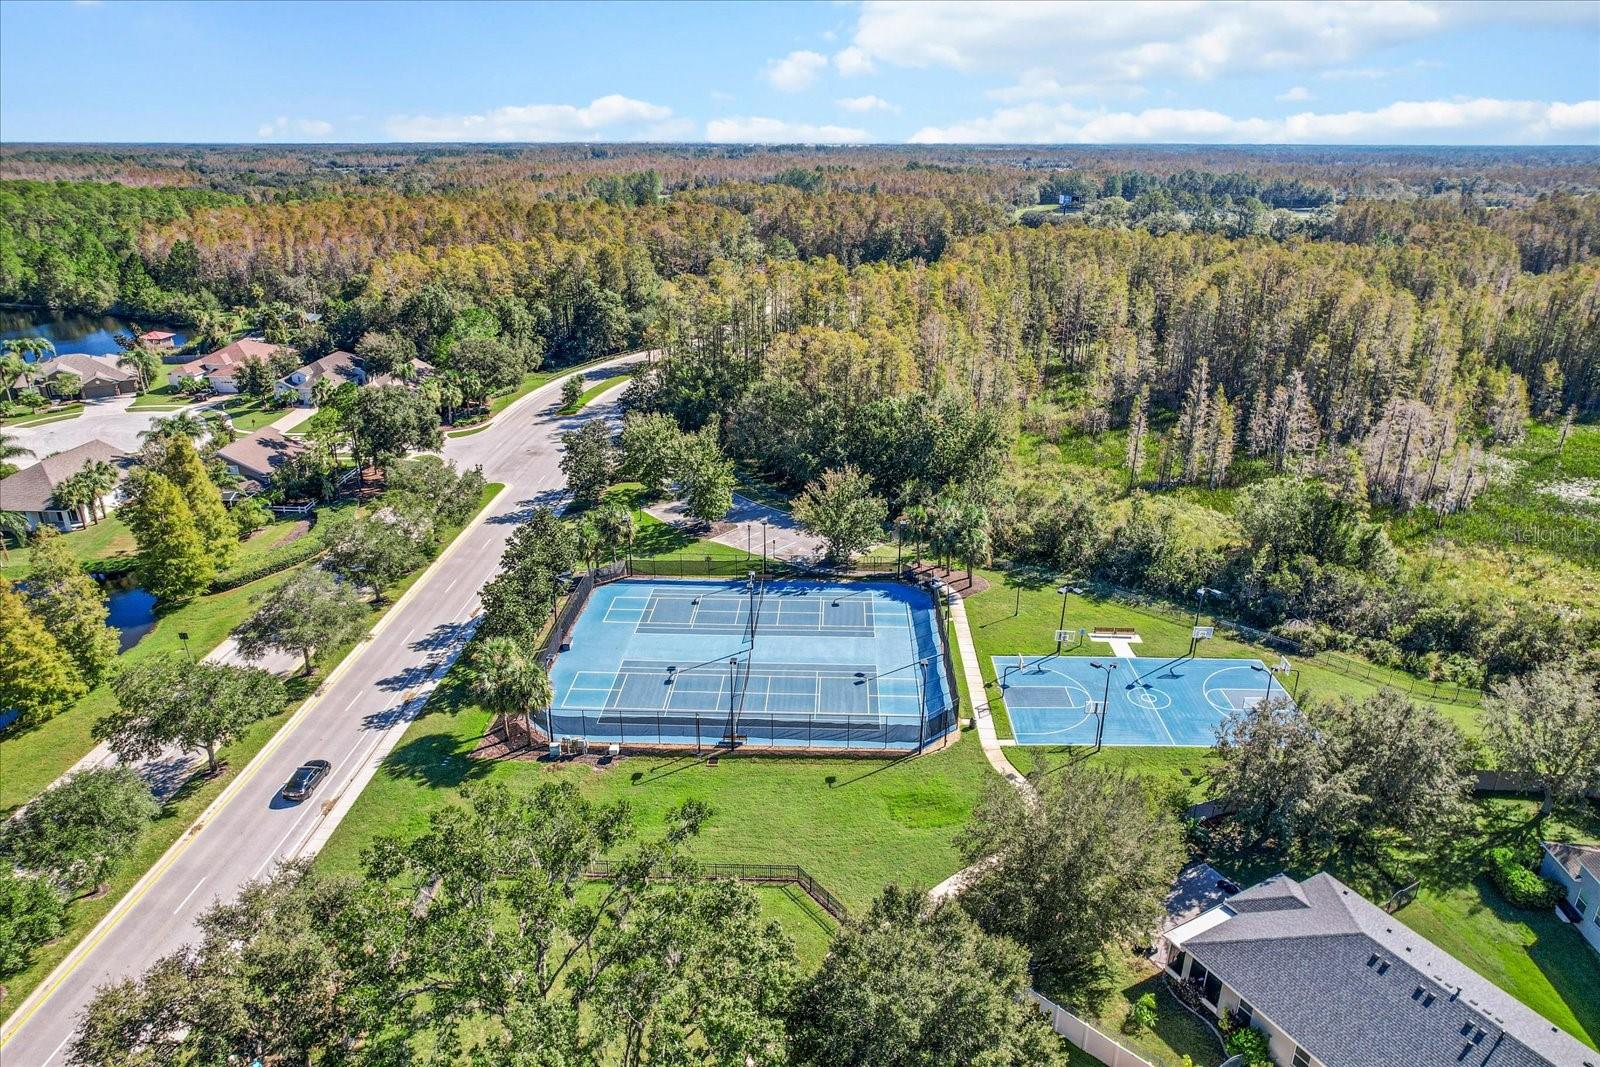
(99, 377)
(32, 490)
(337, 367)
(341, 367)
(162, 342)
(255, 456)
(1335, 981)
(220, 368)
(1577, 869)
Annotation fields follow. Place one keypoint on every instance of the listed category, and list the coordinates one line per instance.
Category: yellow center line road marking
(65, 969)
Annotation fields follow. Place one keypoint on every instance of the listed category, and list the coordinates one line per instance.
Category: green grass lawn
(40, 418)
(161, 398)
(35, 757)
(35, 752)
(250, 414)
(593, 391)
(109, 539)
(654, 539)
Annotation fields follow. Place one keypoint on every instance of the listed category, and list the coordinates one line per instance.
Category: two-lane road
(354, 720)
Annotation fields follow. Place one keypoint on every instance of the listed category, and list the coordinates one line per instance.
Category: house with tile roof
(1333, 980)
(220, 368)
(32, 490)
(1576, 868)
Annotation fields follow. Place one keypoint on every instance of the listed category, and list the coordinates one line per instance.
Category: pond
(132, 612)
(91, 335)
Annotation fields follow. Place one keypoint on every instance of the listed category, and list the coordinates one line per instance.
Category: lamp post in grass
(1064, 589)
(1105, 700)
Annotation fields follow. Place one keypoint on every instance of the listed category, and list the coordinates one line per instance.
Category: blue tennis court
(1055, 700)
(788, 664)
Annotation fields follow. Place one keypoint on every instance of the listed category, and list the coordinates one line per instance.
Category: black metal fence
(577, 600)
(755, 874)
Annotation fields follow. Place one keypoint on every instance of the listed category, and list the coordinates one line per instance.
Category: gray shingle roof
(1355, 987)
(1575, 857)
(33, 488)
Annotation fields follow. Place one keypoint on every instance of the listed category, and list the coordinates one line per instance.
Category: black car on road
(304, 780)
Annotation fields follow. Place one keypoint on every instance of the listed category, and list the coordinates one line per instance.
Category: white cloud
(283, 127)
(607, 118)
(852, 61)
(760, 130)
(796, 72)
(1476, 121)
(1140, 39)
(866, 103)
(1298, 94)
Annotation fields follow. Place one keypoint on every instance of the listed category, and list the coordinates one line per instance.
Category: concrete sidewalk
(171, 768)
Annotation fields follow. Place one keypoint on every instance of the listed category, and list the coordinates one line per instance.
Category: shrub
(1142, 1017)
(571, 392)
(1520, 884)
(1251, 1044)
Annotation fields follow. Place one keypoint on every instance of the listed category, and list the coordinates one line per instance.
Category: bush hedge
(1252, 1045)
(279, 559)
(1519, 883)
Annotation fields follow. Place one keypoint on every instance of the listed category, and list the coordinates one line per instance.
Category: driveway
(107, 420)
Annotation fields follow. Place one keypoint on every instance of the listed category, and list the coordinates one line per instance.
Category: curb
(98, 933)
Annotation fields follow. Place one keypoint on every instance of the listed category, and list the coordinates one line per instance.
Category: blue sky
(1394, 71)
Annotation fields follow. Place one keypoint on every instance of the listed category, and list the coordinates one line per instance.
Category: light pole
(1061, 623)
(1268, 672)
(1105, 700)
(1200, 595)
(763, 548)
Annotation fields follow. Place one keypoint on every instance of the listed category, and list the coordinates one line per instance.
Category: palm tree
(18, 350)
(75, 494)
(505, 678)
(614, 523)
(101, 479)
(219, 429)
(183, 424)
(144, 363)
(588, 536)
(9, 449)
(12, 526)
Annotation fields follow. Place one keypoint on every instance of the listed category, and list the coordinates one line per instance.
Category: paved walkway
(291, 418)
(992, 745)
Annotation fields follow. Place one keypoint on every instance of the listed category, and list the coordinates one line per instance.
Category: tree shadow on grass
(440, 761)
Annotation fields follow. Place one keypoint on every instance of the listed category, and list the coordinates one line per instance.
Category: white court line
(190, 893)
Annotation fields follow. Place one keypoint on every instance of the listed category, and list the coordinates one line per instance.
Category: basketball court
(1056, 700)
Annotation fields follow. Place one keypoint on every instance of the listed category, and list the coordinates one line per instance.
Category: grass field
(654, 539)
(1020, 610)
(219, 616)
